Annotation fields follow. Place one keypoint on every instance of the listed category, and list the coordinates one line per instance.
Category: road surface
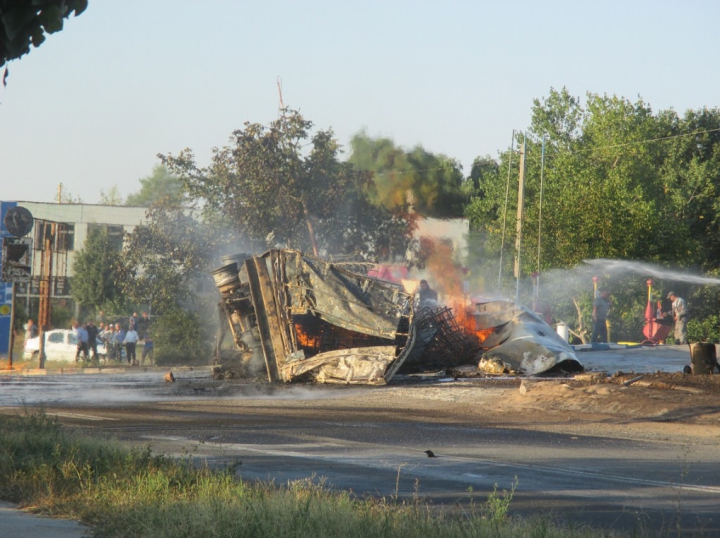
(614, 469)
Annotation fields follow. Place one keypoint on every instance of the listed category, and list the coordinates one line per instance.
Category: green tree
(284, 184)
(690, 179)
(621, 182)
(163, 259)
(484, 170)
(432, 185)
(26, 23)
(602, 192)
(94, 270)
(163, 262)
(161, 187)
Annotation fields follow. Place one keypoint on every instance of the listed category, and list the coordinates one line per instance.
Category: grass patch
(133, 493)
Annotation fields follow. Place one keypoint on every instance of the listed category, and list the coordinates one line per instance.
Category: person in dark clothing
(82, 341)
(142, 325)
(148, 348)
(31, 330)
(133, 321)
(601, 307)
(92, 332)
(426, 295)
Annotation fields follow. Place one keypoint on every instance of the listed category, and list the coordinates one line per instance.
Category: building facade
(74, 222)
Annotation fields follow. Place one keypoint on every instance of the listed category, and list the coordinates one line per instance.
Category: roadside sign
(17, 259)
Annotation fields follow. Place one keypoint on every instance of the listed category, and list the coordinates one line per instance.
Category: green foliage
(161, 187)
(95, 270)
(706, 329)
(484, 170)
(268, 186)
(620, 182)
(61, 315)
(497, 505)
(432, 185)
(180, 339)
(608, 191)
(164, 258)
(25, 23)
(163, 263)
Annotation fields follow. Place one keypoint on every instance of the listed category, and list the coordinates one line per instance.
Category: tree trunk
(311, 230)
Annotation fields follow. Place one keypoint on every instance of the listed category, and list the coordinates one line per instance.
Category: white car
(60, 345)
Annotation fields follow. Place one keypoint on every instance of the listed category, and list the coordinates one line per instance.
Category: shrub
(180, 339)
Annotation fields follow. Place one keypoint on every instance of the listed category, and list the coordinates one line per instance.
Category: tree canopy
(429, 184)
(95, 270)
(160, 187)
(164, 258)
(619, 182)
(25, 23)
(284, 184)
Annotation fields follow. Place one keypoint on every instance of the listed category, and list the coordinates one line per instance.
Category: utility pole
(12, 327)
(519, 221)
(49, 230)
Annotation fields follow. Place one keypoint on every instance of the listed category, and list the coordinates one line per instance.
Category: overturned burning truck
(311, 319)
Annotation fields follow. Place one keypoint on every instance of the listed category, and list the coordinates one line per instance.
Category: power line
(645, 141)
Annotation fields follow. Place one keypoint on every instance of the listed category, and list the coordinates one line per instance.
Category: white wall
(80, 215)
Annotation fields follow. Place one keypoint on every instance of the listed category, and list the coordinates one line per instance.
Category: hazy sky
(128, 79)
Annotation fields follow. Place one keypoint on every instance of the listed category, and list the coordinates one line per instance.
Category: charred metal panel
(266, 314)
(366, 365)
(522, 339)
(314, 319)
(349, 300)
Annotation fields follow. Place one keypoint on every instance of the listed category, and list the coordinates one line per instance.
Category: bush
(704, 330)
(180, 339)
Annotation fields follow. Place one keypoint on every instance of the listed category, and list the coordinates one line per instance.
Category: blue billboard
(5, 288)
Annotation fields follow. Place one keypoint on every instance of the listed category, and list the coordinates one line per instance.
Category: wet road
(293, 433)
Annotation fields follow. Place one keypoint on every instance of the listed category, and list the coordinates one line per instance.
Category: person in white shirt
(131, 338)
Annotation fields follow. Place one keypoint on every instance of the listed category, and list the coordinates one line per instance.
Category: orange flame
(304, 339)
(484, 333)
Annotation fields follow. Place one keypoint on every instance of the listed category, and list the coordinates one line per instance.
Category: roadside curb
(102, 370)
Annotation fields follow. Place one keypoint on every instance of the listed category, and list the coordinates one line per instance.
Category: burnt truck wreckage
(315, 320)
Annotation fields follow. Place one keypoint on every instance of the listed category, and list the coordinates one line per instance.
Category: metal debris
(311, 319)
(522, 340)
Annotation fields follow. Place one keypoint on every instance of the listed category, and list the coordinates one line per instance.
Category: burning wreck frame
(312, 319)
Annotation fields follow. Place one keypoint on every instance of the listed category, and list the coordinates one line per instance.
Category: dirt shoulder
(662, 406)
(670, 407)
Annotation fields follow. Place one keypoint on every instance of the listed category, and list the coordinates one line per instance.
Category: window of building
(66, 237)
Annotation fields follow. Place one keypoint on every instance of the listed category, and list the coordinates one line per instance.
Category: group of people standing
(677, 315)
(119, 338)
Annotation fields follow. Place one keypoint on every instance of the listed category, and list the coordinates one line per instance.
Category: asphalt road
(336, 434)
